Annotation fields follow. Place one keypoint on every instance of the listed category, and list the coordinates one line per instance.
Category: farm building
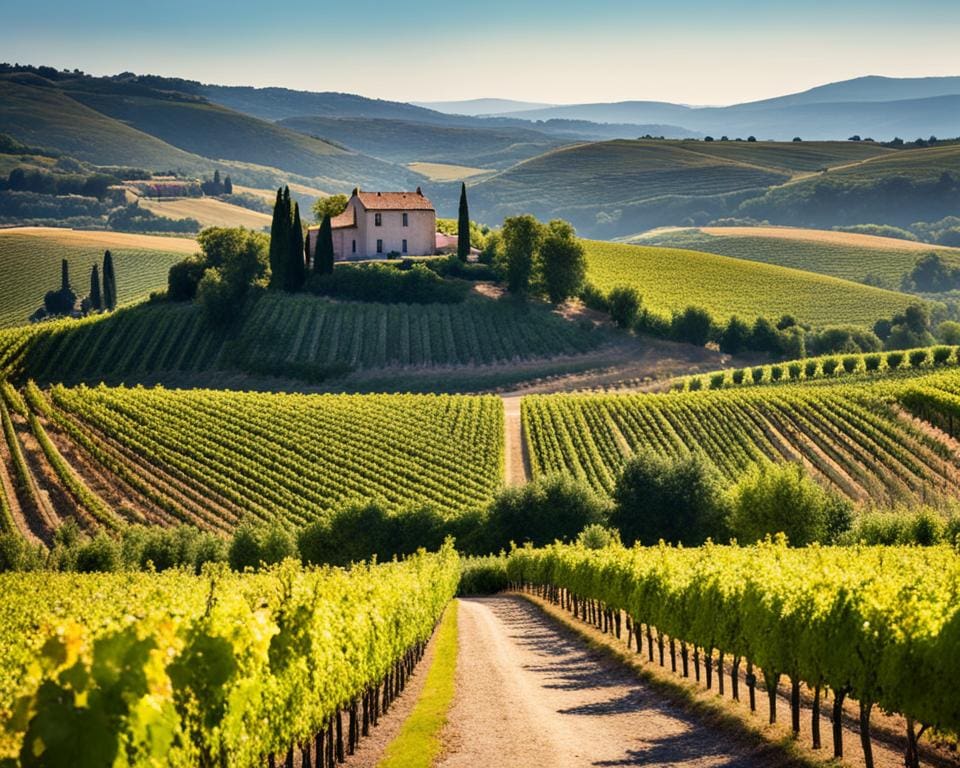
(377, 224)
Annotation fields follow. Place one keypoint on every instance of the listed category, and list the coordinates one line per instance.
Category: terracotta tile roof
(395, 201)
(344, 220)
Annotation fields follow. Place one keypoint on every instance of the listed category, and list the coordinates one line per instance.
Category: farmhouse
(377, 224)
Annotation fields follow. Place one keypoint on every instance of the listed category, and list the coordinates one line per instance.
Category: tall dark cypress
(296, 271)
(463, 226)
(109, 282)
(64, 276)
(323, 257)
(96, 299)
(279, 242)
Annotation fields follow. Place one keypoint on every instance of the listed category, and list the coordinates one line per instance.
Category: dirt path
(516, 458)
(530, 693)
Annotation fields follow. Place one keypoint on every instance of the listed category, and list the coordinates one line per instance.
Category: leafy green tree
(694, 325)
(782, 498)
(96, 299)
(563, 261)
(549, 508)
(463, 225)
(678, 500)
(521, 241)
(623, 303)
(279, 240)
(323, 259)
(330, 206)
(948, 332)
(735, 336)
(109, 282)
(296, 268)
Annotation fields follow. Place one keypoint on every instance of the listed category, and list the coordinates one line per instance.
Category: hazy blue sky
(692, 51)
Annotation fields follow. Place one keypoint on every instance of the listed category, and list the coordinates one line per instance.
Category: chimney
(419, 191)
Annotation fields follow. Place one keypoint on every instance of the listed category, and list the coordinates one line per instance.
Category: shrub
(776, 372)
(695, 384)
(941, 355)
(597, 536)
(781, 498)
(894, 360)
(922, 526)
(693, 325)
(717, 380)
(674, 499)
(794, 370)
(387, 284)
(756, 375)
(829, 366)
(738, 376)
(949, 332)
(244, 551)
(810, 369)
(483, 575)
(850, 363)
(593, 298)
(623, 303)
(917, 358)
(872, 362)
(735, 336)
(99, 555)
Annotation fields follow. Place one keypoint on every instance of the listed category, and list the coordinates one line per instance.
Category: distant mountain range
(880, 107)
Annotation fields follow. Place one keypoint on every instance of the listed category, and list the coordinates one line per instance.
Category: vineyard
(300, 337)
(670, 279)
(848, 260)
(30, 265)
(828, 368)
(219, 669)
(855, 437)
(108, 457)
(878, 625)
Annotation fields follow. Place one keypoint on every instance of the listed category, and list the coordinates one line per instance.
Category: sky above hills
(558, 51)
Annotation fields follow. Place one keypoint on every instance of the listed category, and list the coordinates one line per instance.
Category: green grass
(881, 266)
(30, 266)
(418, 743)
(670, 279)
(926, 163)
(792, 157)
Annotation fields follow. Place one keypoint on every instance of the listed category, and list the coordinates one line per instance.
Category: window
(353, 248)
(379, 244)
(377, 219)
(405, 221)
(404, 242)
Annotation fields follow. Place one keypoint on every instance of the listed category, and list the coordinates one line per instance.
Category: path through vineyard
(516, 458)
(530, 693)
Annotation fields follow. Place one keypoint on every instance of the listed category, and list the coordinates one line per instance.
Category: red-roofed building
(377, 224)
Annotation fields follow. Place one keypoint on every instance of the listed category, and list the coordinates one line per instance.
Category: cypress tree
(64, 276)
(96, 300)
(463, 226)
(296, 273)
(323, 258)
(279, 242)
(216, 181)
(228, 186)
(109, 282)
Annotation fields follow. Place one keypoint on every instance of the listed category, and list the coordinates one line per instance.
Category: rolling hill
(107, 121)
(861, 258)
(407, 142)
(30, 265)
(617, 187)
(670, 279)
